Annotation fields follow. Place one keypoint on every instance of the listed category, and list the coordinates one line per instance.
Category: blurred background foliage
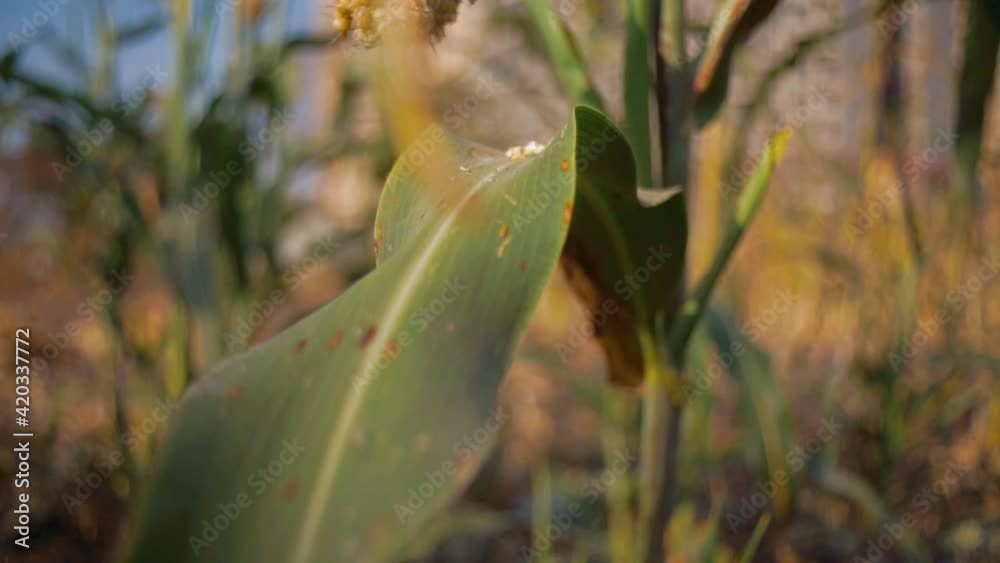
(182, 179)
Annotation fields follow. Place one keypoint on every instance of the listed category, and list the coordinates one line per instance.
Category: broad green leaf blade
(340, 437)
(622, 250)
(731, 27)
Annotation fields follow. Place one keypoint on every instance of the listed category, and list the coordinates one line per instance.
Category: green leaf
(750, 200)
(626, 251)
(338, 439)
(639, 62)
(746, 556)
(975, 86)
(764, 405)
(565, 54)
(731, 27)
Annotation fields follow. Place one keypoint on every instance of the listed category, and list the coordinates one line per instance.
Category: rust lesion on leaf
(379, 531)
(234, 392)
(301, 345)
(290, 490)
(378, 238)
(564, 165)
(503, 230)
(523, 266)
(335, 340)
(367, 336)
(568, 212)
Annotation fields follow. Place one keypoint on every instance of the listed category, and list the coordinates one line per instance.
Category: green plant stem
(662, 408)
(615, 411)
(565, 56)
(982, 40)
(758, 534)
(542, 513)
(674, 98)
(749, 202)
(660, 438)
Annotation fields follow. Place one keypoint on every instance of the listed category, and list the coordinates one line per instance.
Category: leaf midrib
(337, 445)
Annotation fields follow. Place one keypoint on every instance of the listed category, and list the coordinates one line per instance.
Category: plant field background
(171, 195)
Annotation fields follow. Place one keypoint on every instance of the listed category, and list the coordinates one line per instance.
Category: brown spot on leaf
(367, 336)
(379, 531)
(301, 345)
(568, 212)
(290, 489)
(335, 340)
(564, 166)
(234, 391)
(378, 238)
